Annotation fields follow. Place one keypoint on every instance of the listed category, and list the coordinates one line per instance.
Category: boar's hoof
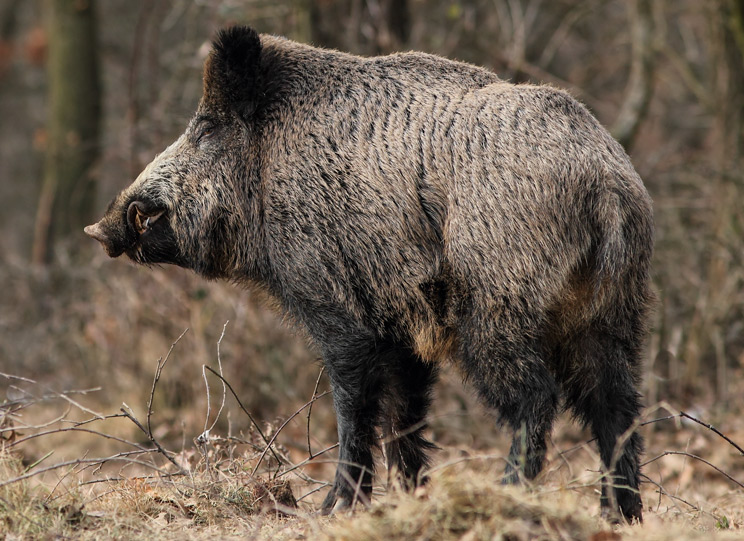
(336, 503)
(628, 512)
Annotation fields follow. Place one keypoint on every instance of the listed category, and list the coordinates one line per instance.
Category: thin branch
(206, 383)
(310, 410)
(105, 417)
(119, 457)
(73, 429)
(712, 429)
(158, 371)
(240, 405)
(132, 478)
(663, 491)
(279, 430)
(23, 426)
(690, 455)
(20, 378)
(149, 435)
(307, 460)
(313, 491)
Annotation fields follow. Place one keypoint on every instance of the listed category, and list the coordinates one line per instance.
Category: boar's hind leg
(513, 378)
(602, 392)
(404, 418)
(357, 370)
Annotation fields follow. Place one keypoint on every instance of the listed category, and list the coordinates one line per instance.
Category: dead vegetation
(258, 482)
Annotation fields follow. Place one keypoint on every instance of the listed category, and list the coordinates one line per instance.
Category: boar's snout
(98, 231)
(117, 235)
(139, 228)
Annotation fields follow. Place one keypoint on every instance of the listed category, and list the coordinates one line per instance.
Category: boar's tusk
(142, 222)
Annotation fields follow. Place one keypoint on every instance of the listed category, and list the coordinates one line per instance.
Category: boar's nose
(97, 232)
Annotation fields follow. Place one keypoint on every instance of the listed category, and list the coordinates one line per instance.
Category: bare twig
(149, 435)
(310, 410)
(205, 434)
(690, 455)
(119, 457)
(158, 372)
(19, 378)
(307, 460)
(23, 426)
(313, 491)
(105, 417)
(240, 405)
(663, 491)
(712, 429)
(279, 430)
(665, 418)
(73, 429)
(132, 478)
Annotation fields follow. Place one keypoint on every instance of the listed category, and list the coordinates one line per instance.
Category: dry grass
(228, 486)
(462, 501)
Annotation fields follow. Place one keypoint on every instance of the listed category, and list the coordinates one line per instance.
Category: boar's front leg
(356, 367)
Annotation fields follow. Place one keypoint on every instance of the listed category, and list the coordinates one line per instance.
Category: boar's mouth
(140, 220)
(143, 233)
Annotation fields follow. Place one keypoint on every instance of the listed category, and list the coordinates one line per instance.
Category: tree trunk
(68, 188)
(640, 84)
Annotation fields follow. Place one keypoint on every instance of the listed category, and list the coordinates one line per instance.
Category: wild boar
(409, 210)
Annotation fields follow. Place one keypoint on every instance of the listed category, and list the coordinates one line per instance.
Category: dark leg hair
(357, 368)
(404, 419)
(601, 390)
(511, 376)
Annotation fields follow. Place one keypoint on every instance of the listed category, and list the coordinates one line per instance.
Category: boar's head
(194, 204)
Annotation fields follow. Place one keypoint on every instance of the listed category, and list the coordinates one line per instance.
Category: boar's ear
(231, 70)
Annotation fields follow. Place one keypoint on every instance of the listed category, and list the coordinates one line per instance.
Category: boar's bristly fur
(408, 210)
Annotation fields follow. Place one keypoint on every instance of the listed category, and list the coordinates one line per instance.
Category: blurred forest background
(91, 90)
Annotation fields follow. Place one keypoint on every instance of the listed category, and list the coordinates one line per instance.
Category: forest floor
(69, 472)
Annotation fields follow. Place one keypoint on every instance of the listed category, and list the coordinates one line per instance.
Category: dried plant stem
(712, 429)
(224, 389)
(74, 429)
(119, 457)
(152, 439)
(310, 410)
(309, 459)
(690, 455)
(279, 430)
(242, 407)
(158, 372)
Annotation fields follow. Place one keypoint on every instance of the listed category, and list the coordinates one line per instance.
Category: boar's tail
(624, 238)
(610, 250)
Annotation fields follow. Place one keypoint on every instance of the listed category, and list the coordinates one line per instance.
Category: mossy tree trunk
(73, 115)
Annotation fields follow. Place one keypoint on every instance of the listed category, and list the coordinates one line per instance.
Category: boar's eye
(206, 132)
